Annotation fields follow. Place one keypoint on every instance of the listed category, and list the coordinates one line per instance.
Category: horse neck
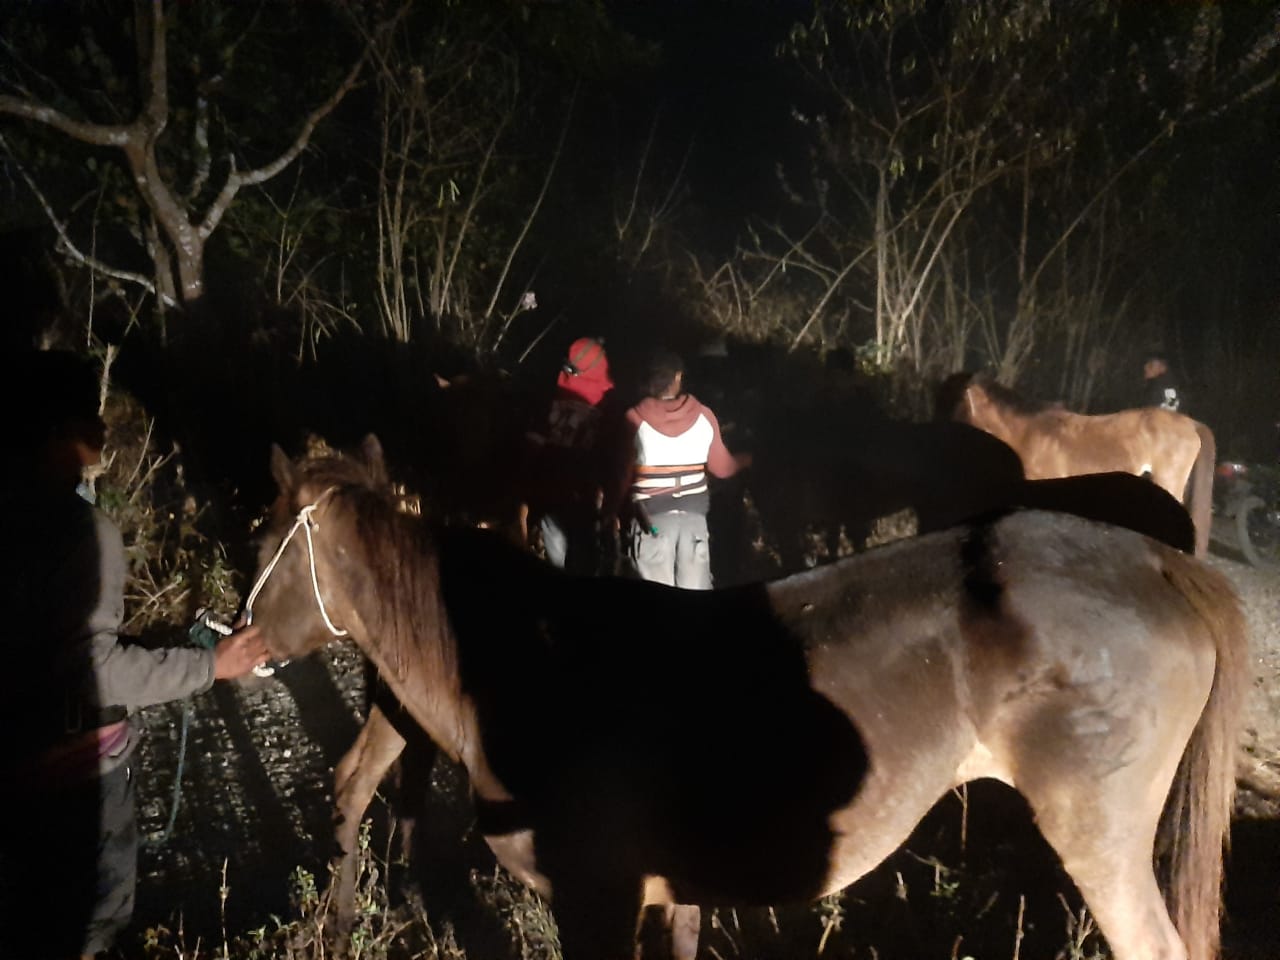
(414, 649)
(443, 712)
(998, 421)
(395, 614)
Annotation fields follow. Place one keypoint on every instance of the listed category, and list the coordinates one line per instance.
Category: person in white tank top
(677, 443)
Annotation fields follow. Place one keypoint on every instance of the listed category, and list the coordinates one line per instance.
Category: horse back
(1116, 498)
(770, 740)
(949, 631)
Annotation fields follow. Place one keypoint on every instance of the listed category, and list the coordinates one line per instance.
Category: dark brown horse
(844, 472)
(1097, 671)
(1178, 453)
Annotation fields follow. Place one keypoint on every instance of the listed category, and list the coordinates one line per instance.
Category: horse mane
(956, 385)
(409, 625)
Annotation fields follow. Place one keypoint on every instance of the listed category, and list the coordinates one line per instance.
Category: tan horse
(1176, 452)
(1097, 671)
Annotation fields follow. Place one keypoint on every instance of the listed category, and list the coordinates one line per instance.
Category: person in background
(569, 459)
(68, 862)
(676, 444)
(1159, 388)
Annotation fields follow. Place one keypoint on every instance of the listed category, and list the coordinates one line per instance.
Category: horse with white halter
(1098, 672)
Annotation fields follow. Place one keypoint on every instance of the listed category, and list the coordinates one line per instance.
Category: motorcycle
(1248, 495)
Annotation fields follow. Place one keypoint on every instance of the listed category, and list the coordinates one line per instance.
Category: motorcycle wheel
(1259, 533)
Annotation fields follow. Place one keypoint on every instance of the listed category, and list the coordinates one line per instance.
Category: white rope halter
(306, 523)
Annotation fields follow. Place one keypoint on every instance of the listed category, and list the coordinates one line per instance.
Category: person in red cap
(569, 460)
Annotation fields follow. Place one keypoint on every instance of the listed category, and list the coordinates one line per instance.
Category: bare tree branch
(537, 205)
(66, 244)
(114, 135)
(236, 180)
(185, 237)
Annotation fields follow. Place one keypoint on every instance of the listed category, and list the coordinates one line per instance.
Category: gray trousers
(572, 541)
(71, 861)
(677, 554)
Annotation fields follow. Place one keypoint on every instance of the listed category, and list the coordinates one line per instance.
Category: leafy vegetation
(1046, 190)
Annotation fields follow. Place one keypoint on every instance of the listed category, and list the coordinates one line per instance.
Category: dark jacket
(1161, 391)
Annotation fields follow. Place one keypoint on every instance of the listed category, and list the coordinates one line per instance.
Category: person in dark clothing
(1159, 389)
(569, 460)
(68, 868)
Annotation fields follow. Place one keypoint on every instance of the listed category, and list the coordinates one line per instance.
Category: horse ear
(371, 453)
(281, 469)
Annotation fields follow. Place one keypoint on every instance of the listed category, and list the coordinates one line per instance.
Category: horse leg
(1115, 877)
(1199, 488)
(356, 779)
(597, 915)
(669, 932)
(413, 783)
(1103, 827)
(686, 924)
(667, 929)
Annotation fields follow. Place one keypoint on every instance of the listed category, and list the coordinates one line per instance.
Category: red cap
(586, 370)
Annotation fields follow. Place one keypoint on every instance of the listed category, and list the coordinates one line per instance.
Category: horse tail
(1198, 496)
(1196, 821)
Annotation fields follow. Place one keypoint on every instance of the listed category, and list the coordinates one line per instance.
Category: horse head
(953, 400)
(979, 400)
(302, 594)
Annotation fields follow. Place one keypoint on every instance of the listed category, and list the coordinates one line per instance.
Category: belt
(80, 716)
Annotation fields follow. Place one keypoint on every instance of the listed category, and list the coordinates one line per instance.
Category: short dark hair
(61, 388)
(663, 367)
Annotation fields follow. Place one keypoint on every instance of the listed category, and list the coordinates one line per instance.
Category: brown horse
(1178, 453)
(1097, 671)
(390, 735)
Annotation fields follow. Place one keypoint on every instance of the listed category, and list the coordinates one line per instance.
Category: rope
(205, 632)
(165, 834)
(306, 522)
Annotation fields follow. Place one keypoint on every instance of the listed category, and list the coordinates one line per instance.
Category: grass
(381, 931)
(916, 905)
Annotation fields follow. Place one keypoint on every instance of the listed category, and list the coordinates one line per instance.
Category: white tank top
(655, 449)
